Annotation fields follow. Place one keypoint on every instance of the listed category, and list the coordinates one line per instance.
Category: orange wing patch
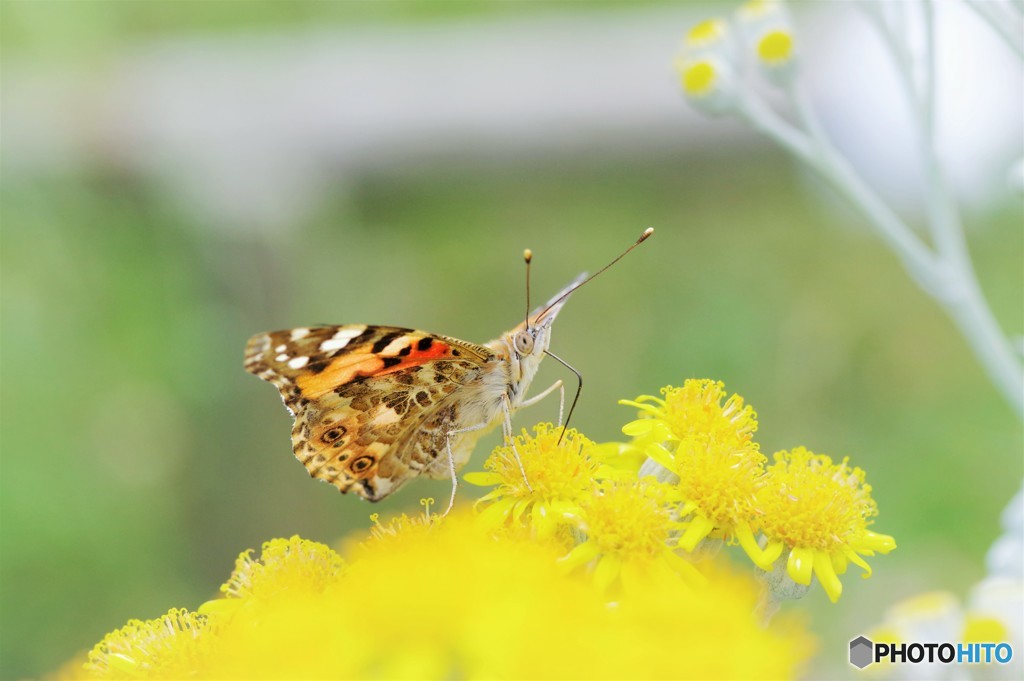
(402, 353)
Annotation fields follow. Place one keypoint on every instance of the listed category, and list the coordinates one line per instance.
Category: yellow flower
(705, 66)
(767, 30)
(760, 10)
(706, 439)
(295, 565)
(775, 47)
(819, 512)
(620, 460)
(692, 618)
(560, 475)
(382, 534)
(630, 533)
(168, 647)
(456, 602)
(693, 415)
(706, 81)
(707, 33)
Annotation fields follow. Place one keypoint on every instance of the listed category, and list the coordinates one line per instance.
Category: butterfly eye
(333, 434)
(524, 342)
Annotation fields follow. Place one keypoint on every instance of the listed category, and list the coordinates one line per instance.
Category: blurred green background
(138, 458)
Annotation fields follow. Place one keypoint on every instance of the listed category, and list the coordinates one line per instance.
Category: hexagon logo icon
(862, 652)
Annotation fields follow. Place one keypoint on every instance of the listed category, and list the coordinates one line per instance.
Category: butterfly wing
(372, 404)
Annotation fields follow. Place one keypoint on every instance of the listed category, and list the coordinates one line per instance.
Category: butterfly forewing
(372, 404)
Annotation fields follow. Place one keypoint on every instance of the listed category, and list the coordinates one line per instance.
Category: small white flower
(708, 82)
(767, 32)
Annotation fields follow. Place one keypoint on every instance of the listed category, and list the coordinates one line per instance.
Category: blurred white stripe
(251, 129)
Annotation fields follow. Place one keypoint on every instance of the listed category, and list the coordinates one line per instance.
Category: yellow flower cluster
(712, 52)
(444, 599)
(805, 506)
(594, 558)
(598, 514)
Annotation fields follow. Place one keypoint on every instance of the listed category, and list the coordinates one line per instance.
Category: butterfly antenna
(579, 389)
(643, 237)
(528, 257)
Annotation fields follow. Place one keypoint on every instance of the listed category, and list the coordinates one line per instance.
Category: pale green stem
(821, 157)
(947, 274)
(965, 301)
(1006, 27)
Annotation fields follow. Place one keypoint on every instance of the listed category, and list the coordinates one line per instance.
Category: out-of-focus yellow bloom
(990, 614)
(382, 534)
(706, 439)
(630, 531)
(767, 31)
(579, 564)
(818, 511)
(560, 474)
(453, 601)
(708, 82)
(698, 77)
(296, 565)
(292, 564)
(173, 646)
(761, 10)
(705, 34)
(775, 47)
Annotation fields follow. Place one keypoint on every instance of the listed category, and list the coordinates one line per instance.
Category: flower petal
(661, 455)
(494, 516)
(699, 528)
(607, 570)
(746, 538)
(859, 562)
(773, 550)
(800, 565)
(639, 428)
(826, 574)
(543, 521)
(839, 562)
(685, 569)
(883, 543)
(482, 478)
(581, 555)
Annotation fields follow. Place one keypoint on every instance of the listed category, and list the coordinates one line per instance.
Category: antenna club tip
(647, 232)
(527, 255)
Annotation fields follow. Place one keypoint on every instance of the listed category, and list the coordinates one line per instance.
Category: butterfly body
(376, 406)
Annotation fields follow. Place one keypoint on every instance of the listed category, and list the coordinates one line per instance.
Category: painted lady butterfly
(376, 406)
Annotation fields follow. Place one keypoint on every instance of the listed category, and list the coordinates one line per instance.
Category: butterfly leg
(561, 399)
(451, 461)
(506, 427)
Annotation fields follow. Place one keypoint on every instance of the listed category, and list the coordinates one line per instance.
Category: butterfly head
(528, 341)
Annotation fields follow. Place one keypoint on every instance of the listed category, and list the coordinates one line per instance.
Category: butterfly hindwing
(371, 403)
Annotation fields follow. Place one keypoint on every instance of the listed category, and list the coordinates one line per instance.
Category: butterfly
(376, 406)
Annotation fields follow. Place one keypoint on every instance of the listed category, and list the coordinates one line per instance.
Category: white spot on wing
(298, 362)
(349, 332)
(394, 346)
(382, 485)
(282, 358)
(386, 416)
(334, 344)
(281, 348)
(299, 333)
